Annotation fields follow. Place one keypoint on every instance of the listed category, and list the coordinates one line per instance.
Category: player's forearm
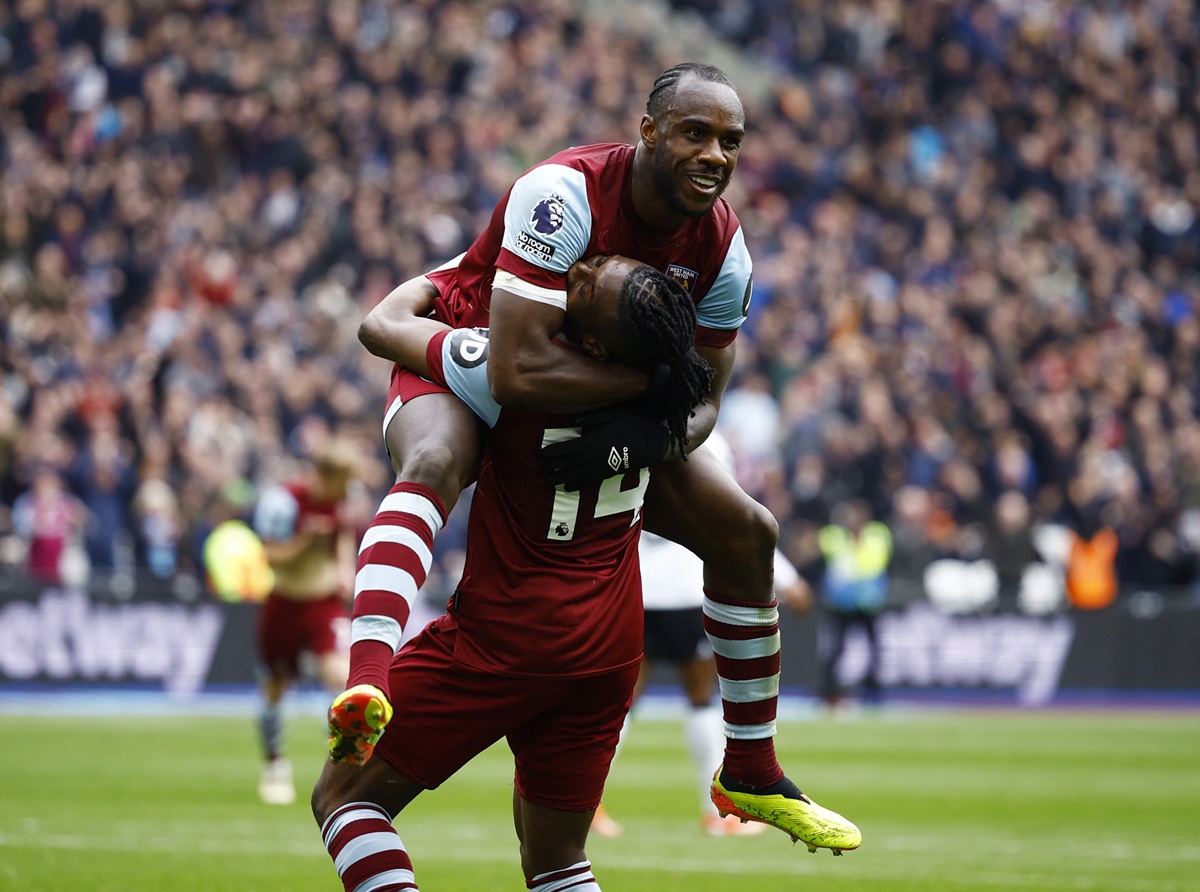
(559, 380)
(700, 425)
(386, 330)
(704, 419)
(282, 553)
(527, 368)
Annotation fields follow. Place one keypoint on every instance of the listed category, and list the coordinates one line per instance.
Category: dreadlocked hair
(663, 91)
(656, 325)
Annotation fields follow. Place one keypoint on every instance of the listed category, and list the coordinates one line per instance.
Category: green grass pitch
(963, 800)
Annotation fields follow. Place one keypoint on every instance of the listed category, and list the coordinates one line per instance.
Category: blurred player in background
(673, 596)
(542, 639)
(658, 201)
(311, 551)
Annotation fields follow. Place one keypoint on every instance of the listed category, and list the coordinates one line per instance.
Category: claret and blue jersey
(545, 564)
(579, 203)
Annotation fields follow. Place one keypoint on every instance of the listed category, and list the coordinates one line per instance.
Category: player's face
(696, 146)
(593, 288)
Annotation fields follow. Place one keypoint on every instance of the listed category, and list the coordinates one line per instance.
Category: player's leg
(449, 717)
(332, 668)
(278, 651)
(275, 785)
(872, 689)
(604, 824)
(698, 505)
(831, 644)
(562, 757)
(354, 807)
(552, 843)
(704, 733)
(329, 642)
(434, 443)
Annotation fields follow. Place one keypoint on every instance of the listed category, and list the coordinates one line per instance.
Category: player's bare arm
(398, 327)
(704, 419)
(528, 369)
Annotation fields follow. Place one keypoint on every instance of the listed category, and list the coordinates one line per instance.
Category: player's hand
(652, 402)
(613, 442)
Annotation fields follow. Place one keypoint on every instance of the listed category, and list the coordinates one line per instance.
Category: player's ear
(648, 131)
(590, 344)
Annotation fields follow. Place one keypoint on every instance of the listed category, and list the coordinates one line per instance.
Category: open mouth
(707, 183)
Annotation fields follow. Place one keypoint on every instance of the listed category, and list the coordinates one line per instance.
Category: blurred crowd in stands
(976, 300)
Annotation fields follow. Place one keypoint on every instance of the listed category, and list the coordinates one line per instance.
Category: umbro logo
(618, 460)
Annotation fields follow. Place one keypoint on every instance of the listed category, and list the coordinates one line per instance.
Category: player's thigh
(563, 752)
(435, 439)
(700, 680)
(699, 505)
(448, 713)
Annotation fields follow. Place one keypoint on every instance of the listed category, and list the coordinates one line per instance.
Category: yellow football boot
(782, 805)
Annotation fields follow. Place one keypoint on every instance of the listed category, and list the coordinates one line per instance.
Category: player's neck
(650, 209)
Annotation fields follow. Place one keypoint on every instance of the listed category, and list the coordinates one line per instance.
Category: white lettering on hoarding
(64, 635)
(922, 647)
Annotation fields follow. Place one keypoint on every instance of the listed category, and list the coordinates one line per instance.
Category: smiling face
(693, 150)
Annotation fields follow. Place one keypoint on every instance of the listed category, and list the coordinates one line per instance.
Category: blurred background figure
(854, 589)
(311, 550)
(235, 559)
(49, 521)
(159, 528)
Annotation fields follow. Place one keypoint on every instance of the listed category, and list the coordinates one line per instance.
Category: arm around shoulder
(399, 327)
(528, 369)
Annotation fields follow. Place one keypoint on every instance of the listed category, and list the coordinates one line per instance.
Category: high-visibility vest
(236, 563)
(1091, 570)
(856, 567)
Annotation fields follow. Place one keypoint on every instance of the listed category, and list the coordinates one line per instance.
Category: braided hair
(663, 91)
(656, 325)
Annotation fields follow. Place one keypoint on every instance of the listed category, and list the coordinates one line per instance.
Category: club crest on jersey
(548, 215)
(684, 276)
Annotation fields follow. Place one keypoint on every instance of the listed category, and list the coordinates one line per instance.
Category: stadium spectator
(1001, 231)
(48, 520)
(857, 550)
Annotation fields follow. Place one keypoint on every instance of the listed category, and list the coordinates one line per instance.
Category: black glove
(613, 442)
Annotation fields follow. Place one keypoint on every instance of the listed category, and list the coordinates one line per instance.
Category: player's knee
(749, 534)
(436, 465)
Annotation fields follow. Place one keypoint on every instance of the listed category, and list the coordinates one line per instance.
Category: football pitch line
(729, 863)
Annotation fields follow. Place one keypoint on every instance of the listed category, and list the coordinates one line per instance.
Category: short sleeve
(726, 304)
(548, 219)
